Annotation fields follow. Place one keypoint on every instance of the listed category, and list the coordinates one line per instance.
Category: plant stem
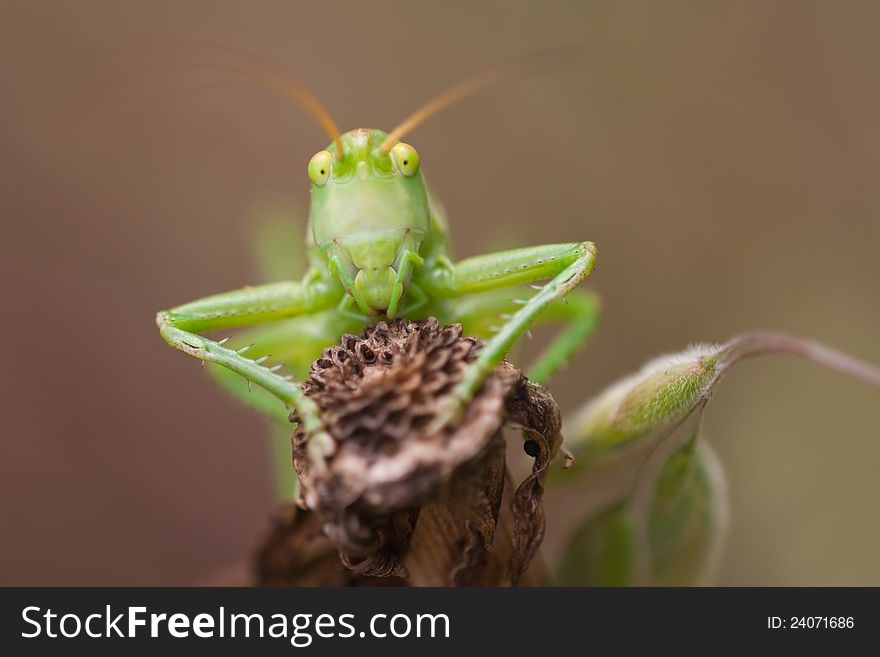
(763, 342)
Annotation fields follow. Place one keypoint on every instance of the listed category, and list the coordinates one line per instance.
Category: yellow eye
(406, 158)
(319, 167)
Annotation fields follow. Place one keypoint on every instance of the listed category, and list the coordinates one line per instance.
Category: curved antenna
(468, 87)
(277, 79)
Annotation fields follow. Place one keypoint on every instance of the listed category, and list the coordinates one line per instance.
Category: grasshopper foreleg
(565, 264)
(180, 328)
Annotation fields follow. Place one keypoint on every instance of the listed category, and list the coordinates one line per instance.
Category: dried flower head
(379, 394)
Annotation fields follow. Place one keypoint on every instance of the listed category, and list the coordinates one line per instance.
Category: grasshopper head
(369, 206)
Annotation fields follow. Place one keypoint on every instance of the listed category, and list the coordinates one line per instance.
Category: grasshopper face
(367, 209)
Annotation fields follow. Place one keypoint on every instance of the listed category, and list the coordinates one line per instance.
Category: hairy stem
(763, 342)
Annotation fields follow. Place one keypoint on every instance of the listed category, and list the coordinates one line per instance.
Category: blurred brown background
(722, 155)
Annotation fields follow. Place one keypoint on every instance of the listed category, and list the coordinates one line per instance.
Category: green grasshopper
(378, 246)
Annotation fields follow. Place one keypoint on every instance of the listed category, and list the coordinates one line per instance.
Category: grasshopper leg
(180, 328)
(579, 312)
(295, 343)
(338, 271)
(581, 316)
(419, 300)
(408, 261)
(565, 264)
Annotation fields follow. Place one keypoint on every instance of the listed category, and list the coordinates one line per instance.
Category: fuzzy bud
(661, 394)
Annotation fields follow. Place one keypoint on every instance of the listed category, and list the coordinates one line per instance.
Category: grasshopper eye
(406, 159)
(319, 167)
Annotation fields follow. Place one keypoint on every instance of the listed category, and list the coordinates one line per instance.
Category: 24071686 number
(810, 622)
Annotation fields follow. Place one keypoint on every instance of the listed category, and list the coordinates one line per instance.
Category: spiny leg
(579, 311)
(567, 264)
(559, 287)
(481, 314)
(295, 343)
(581, 314)
(267, 404)
(179, 327)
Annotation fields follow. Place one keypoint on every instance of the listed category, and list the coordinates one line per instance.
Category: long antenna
(275, 78)
(469, 86)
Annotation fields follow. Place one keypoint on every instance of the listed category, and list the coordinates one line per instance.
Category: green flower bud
(683, 530)
(661, 394)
